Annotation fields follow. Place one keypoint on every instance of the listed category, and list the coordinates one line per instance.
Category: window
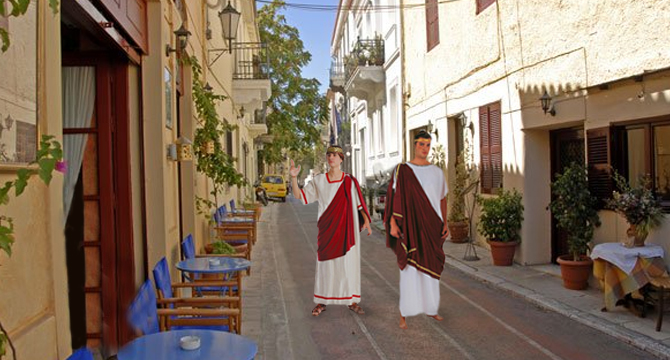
(633, 150)
(432, 24)
(393, 121)
(644, 149)
(490, 136)
(380, 128)
(483, 4)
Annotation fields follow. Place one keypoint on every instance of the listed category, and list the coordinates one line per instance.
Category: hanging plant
(211, 159)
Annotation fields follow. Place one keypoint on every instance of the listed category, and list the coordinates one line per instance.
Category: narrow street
(480, 322)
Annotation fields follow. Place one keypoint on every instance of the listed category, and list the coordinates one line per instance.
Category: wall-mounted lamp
(241, 113)
(429, 129)
(184, 149)
(182, 40)
(7, 124)
(208, 88)
(547, 105)
(229, 17)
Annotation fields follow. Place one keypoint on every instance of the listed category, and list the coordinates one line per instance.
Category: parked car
(275, 186)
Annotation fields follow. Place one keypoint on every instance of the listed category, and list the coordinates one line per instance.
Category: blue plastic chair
(224, 318)
(81, 354)
(142, 313)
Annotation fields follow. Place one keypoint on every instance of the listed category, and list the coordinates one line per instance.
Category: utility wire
(328, 8)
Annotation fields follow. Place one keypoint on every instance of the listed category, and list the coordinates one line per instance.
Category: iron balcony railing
(366, 52)
(251, 61)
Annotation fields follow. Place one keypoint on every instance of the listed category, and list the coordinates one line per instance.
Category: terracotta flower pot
(502, 253)
(459, 231)
(575, 274)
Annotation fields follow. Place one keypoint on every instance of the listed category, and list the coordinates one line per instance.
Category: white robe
(419, 292)
(337, 281)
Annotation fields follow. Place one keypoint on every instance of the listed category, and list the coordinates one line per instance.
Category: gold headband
(334, 149)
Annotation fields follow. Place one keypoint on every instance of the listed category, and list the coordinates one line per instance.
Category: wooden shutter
(490, 135)
(599, 163)
(432, 24)
(486, 174)
(483, 4)
(131, 15)
(495, 142)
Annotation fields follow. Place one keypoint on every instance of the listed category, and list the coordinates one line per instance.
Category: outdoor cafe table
(201, 265)
(622, 271)
(219, 345)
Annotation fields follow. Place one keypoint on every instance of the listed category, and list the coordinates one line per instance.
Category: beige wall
(515, 50)
(33, 300)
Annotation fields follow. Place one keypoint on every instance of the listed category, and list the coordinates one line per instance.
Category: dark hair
(340, 153)
(422, 134)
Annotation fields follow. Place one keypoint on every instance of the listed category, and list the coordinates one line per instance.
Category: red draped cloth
(420, 244)
(336, 224)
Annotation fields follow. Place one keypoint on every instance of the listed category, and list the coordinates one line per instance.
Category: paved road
(480, 322)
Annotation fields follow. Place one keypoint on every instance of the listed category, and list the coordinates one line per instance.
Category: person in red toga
(416, 231)
(342, 215)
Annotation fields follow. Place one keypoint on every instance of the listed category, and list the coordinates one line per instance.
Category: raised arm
(294, 180)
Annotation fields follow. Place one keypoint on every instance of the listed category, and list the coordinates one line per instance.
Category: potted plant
(574, 209)
(639, 206)
(457, 221)
(500, 223)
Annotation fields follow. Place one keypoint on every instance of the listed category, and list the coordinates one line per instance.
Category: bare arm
(294, 180)
(443, 207)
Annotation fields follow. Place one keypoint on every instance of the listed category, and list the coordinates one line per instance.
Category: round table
(202, 266)
(217, 345)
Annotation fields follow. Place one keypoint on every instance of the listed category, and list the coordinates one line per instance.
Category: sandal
(357, 309)
(318, 309)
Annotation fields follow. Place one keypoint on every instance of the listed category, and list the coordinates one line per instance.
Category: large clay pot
(459, 231)
(502, 253)
(575, 274)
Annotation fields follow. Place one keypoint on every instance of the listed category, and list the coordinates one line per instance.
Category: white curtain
(78, 105)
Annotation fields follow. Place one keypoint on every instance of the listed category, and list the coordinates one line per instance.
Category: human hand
(367, 226)
(395, 231)
(294, 171)
(445, 231)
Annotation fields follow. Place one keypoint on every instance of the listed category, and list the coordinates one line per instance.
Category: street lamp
(229, 17)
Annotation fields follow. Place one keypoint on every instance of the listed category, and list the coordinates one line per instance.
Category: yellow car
(275, 186)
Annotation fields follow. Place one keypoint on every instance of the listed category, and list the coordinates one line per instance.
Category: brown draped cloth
(336, 224)
(420, 244)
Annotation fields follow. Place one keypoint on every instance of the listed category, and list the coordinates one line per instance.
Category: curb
(633, 338)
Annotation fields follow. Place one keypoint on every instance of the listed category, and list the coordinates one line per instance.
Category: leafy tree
(296, 107)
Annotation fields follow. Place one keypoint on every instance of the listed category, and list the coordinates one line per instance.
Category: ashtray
(189, 342)
(214, 262)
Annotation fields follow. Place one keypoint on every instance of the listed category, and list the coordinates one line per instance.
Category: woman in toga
(342, 210)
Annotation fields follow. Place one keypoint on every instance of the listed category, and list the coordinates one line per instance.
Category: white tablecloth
(625, 258)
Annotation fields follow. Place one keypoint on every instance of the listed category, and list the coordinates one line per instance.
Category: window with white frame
(392, 144)
(380, 128)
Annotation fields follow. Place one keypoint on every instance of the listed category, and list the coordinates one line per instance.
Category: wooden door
(567, 146)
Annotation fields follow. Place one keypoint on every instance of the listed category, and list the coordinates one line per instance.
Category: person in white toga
(415, 224)
(341, 211)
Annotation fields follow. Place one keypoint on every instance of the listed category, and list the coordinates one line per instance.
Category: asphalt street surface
(480, 322)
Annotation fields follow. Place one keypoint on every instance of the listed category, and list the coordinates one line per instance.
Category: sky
(316, 30)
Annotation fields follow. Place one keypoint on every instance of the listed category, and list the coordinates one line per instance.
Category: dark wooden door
(567, 146)
(99, 229)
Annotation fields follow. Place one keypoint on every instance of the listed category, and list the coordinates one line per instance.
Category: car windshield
(273, 180)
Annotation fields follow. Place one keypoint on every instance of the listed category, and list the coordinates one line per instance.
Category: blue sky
(316, 30)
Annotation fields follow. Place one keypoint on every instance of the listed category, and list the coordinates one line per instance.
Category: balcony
(251, 83)
(364, 68)
(258, 126)
(337, 76)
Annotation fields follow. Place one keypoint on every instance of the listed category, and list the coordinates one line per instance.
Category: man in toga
(342, 215)
(415, 224)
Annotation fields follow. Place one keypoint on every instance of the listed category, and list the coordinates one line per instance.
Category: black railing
(259, 115)
(366, 52)
(251, 61)
(336, 70)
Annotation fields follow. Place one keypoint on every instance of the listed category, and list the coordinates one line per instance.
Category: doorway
(567, 146)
